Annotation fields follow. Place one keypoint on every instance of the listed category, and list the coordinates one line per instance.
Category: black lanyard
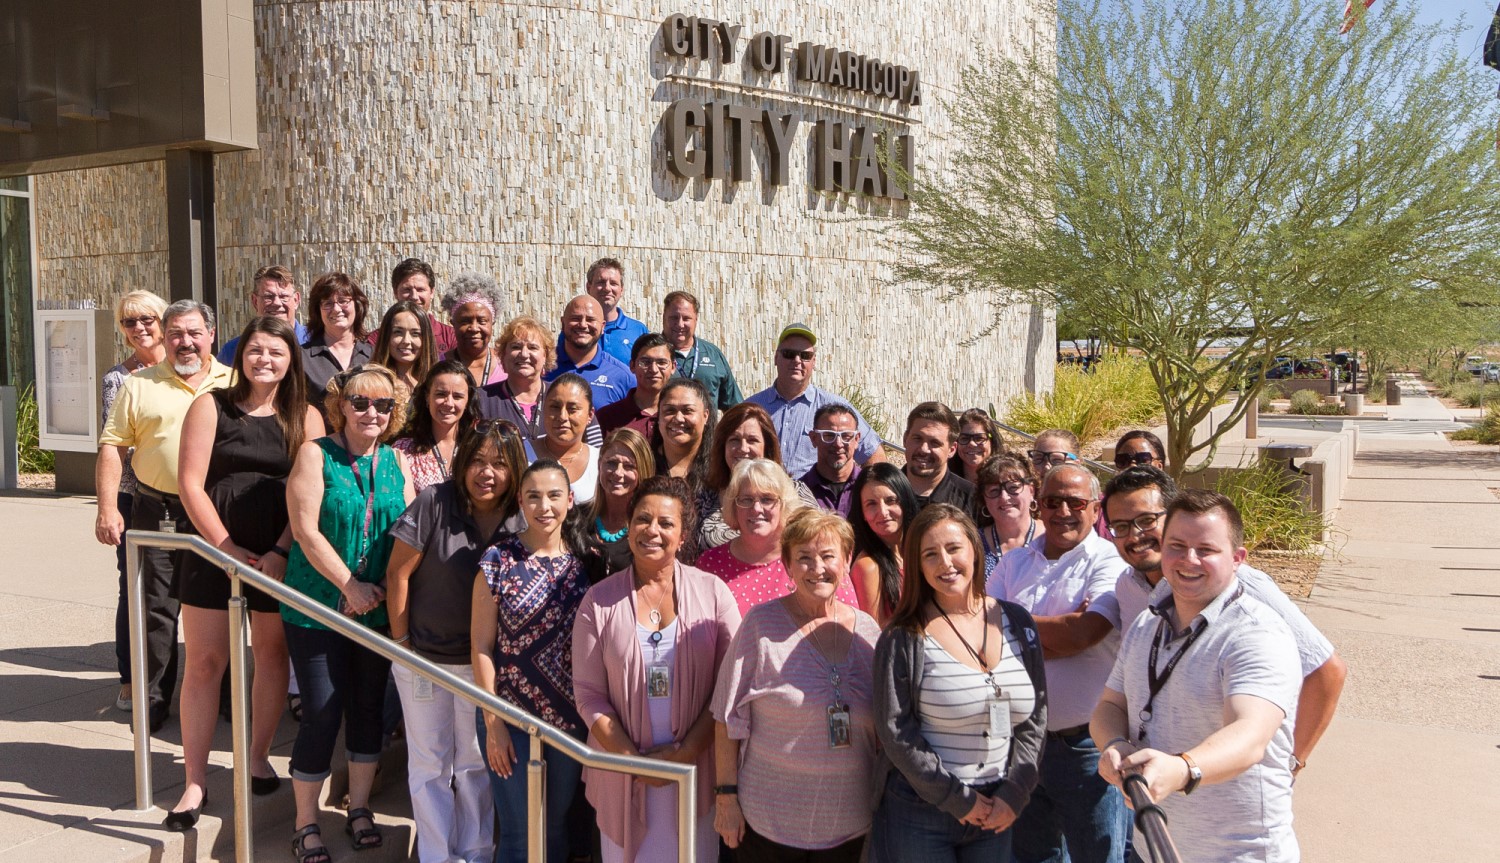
(984, 641)
(1157, 681)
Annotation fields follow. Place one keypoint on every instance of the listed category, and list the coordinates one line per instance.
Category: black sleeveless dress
(246, 481)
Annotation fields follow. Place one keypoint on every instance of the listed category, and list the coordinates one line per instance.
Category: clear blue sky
(1476, 16)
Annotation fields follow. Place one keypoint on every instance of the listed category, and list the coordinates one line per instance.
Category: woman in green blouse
(344, 492)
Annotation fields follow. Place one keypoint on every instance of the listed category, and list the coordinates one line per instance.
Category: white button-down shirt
(1051, 587)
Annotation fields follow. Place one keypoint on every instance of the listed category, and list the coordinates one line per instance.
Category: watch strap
(1195, 775)
(726, 789)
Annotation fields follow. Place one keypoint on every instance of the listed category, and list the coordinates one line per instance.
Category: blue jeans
(908, 829)
(563, 776)
(340, 682)
(1073, 814)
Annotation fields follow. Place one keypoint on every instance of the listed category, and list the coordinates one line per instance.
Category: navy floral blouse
(537, 600)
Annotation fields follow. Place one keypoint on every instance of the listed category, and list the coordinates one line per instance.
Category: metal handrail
(1099, 466)
(137, 541)
(1151, 821)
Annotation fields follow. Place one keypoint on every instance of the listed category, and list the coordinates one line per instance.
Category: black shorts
(200, 584)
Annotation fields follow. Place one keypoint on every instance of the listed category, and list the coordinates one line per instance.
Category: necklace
(835, 677)
(610, 535)
(655, 614)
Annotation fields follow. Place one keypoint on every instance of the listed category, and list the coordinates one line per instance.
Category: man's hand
(1111, 759)
(109, 526)
(1164, 773)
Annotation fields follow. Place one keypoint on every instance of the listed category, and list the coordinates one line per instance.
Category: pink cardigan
(609, 678)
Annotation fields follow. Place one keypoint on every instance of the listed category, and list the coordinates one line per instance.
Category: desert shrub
(1276, 516)
(1270, 393)
(1116, 391)
(32, 459)
(1486, 431)
(869, 407)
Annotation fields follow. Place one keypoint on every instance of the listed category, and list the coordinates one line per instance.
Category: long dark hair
(574, 528)
(865, 539)
(697, 477)
(915, 591)
(507, 440)
(291, 392)
(425, 358)
(420, 427)
(991, 431)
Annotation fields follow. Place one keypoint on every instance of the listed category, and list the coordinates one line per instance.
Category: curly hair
(470, 287)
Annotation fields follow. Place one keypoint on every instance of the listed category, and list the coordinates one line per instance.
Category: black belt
(152, 493)
(1069, 732)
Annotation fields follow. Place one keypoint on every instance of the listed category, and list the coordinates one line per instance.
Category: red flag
(1349, 15)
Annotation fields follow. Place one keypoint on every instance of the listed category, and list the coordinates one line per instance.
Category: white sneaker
(122, 701)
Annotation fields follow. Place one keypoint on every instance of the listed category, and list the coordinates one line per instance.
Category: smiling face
(446, 399)
(189, 341)
(406, 338)
(929, 445)
(653, 367)
(337, 311)
(837, 451)
(1198, 559)
(566, 413)
(618, 473)
(882, 511)
(266, 359)
(417, 289)
(546, 499)
(144, 332)
(679, 323)
(757, 511)
(473, 325)
(606, 287)
(655, 531)
(1068, 509)
(794, 366)
(973, 444)
(524, 356)
(818, 567)
(369, 423)
(947, 560)
(1136, 451)
(582, 323)
(487, 478)
(1009, 499)
(275, 299)
(681, 416)
(1139, 548)
(747, 441)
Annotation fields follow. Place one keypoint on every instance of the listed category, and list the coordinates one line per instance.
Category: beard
(187, 368)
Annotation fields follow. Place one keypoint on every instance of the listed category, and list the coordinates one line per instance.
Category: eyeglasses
(1140, 524)
(792, 356)
(646, 363)
(1053, 501)
(973, 437)
(1012, 488)
(145, 320)
(1051, 459)
(337, 302)
(827, 436)
(363, 403)
(1124, 460)
(750, 502)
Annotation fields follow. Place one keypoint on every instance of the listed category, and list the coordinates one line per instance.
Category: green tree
(1224, 170)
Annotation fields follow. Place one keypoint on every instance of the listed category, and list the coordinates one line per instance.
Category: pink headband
(475, 297)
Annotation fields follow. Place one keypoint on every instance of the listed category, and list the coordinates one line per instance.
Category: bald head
(582, 324)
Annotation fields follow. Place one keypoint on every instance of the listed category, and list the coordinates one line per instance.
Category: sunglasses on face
(1011, 488)
(791, 356)
(1053, 501)
(827, 436)
(363, 403)
(973, 438)
(1140, 524)
(144, 320)
(1051, 459)
(1124, 460)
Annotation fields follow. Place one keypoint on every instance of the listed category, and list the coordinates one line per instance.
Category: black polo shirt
(953, 489)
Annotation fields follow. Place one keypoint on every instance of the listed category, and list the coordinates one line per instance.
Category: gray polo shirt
(440, 591)
(1246, 650)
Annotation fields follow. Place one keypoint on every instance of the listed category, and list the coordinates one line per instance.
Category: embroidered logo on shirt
(602, 379)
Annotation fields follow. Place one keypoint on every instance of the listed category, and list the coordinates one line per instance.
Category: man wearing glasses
(835, 434)
(793, 401)
(1066, 579)
(273, 294)
(651, 363)
(1136, 502)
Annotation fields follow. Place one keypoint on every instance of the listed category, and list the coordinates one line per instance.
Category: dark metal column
(192, 268)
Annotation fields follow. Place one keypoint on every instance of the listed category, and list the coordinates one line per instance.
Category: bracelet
(403, 639)
(1113, 742)
(281, 551)
(1297, 763)
(726, 789)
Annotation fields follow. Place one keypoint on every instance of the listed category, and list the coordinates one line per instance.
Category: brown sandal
(363, 840)
(309, 855)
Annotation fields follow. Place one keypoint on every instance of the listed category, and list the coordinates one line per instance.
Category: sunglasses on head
(363, 403)
(485, 425)
(1055, 501)
(1124, 460)
(789, 354)
(129, 323)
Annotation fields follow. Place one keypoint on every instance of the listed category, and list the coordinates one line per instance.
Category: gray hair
(187, 307)
(472, 287)
(1094, 490)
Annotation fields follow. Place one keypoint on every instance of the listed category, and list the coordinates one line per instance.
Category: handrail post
(140, 704)
(536, 800)
(687, 818)
(239, 680)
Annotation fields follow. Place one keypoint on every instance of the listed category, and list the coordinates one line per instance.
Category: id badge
(422, 688)
(658, 681)
(999, 714)
(838, 726)
(167, 525)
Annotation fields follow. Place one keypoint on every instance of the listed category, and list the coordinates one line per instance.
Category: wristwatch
(1195, 775)
(726, 789)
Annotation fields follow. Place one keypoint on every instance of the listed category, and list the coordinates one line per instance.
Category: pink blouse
(426, 469)
(609, 679)
(753, 584)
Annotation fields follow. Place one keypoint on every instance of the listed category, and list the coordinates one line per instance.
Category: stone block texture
(526, 140)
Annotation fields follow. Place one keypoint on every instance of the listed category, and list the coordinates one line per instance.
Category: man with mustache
(1135, 503)
(148, 415)
(930, 440)
(1066, 579)
(835, 434)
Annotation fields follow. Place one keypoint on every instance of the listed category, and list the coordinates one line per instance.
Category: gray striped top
(966, 725)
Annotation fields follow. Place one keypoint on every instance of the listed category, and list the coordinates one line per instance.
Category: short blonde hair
(526, 325)
(139, 303)
(365, 381)
(762, 474)
(811, 523)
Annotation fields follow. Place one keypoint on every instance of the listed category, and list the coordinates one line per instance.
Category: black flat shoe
(180, 822)
(260, 786)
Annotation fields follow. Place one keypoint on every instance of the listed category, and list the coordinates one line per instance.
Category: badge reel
(839, 724)
(658, 674)
(422, 688)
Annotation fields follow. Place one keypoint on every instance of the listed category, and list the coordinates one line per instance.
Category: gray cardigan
(898, 684)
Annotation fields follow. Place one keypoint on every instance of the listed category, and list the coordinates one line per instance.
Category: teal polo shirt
(705, 363)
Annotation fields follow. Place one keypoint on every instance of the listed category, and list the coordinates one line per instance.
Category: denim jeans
(341, 682)
(563, 775)
(908, 829)
(1074, 815)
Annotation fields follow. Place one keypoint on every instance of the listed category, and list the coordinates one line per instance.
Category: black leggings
(755, 848)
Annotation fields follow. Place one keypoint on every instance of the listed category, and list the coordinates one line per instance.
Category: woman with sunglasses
(138, 314)
(1005, 507)
(430, 585)
(443, 405)
(345, 492)
(1140, 448)
(978, 440)
(884, 506)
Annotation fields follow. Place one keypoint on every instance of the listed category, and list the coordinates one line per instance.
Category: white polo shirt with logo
(1246, 649)
(1051, 587)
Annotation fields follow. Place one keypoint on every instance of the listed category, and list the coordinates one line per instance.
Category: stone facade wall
(526, 141)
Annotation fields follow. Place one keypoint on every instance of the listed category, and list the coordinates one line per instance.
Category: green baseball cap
(798, 329)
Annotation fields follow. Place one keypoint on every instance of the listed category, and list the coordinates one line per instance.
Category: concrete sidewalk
(1412, 600)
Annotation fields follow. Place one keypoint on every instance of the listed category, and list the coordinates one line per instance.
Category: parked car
(1491, 373)
(1306, 368)
(1474, 365)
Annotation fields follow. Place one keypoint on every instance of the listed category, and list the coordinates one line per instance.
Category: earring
(1034, 509)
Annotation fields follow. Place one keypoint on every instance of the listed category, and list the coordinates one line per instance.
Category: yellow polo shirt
(148, 414)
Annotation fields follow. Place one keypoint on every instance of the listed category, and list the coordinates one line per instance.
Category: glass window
(15, 286)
